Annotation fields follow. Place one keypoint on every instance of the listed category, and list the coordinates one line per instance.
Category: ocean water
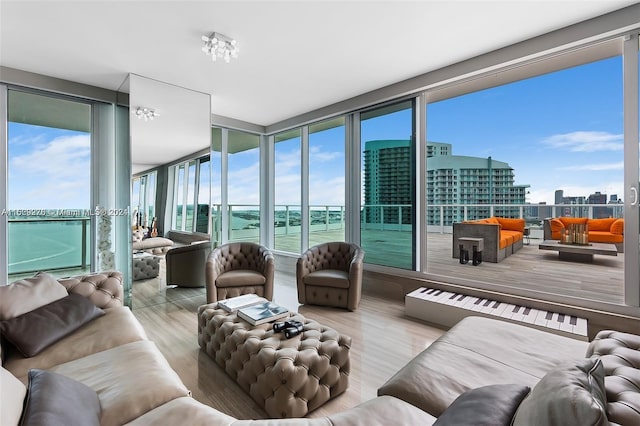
(36, 246)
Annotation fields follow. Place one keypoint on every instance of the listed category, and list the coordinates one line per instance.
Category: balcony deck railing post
(83, 251)
(286, 220)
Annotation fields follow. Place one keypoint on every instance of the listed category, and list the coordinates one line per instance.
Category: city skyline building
(454, 182)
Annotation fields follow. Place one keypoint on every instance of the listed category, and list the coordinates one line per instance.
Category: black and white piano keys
(447, 308)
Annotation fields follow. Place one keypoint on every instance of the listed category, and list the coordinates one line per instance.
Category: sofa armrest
(104, 289)
(617, 227)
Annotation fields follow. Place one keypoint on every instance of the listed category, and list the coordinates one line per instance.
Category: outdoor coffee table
(287, 377)
(579, 253)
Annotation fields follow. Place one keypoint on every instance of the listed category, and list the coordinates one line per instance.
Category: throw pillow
(492, 405)
(28, 294)
(54, 399)
(12, 393)
(570, 395)
(34, 331)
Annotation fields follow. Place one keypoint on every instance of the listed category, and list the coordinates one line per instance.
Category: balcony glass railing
(49, 244)
(245, 219)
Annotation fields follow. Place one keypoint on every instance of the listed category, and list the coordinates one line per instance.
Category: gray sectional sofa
(102, 369)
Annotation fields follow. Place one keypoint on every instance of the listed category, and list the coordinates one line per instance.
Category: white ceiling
(295, 56)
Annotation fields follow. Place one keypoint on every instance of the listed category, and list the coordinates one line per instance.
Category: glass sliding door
(388, 185)
(541, 147)
(49, 185)
(287, 211)
(326, 181)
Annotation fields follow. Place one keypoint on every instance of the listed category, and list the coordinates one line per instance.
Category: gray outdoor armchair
(239, 268)
(330, 274)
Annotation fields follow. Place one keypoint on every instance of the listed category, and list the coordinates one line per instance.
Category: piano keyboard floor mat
(448, 308)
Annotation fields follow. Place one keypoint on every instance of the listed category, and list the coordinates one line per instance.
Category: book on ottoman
(262, 313)
(234, 303)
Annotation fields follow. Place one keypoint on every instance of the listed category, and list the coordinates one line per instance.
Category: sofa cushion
(620, 356)
(570, 395)
(556, 227)
(493, 405)
(34, 331)
(384, 410)
(617, 227)
(497, 351)
(185, 411)
(28, 294)
(511, 224)
(605, 237)
(566, 220)
(130, 380)
(12, 393)
(240, 278)
(493, 219)
(117, 327)
(53, 399)
(600, 224)
(328, 278)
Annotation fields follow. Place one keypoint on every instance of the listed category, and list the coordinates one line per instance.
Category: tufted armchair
(239, 268)
(330, 274)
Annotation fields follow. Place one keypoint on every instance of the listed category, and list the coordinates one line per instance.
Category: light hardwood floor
(384, 340)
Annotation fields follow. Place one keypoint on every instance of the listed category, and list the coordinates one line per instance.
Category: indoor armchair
(239, 268)
(330, 274)
(185, 264)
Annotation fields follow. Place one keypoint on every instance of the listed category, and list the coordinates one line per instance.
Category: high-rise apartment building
(388, 181)
(455, 183)
(475, 187)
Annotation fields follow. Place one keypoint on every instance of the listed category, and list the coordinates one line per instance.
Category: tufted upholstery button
(104, 289)
(288, 377)
(620, 355)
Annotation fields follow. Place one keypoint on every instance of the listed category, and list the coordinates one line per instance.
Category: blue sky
(48, 168)
(557, 131)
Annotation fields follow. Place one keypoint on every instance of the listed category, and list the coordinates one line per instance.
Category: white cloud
(317, 155)
(595, 167)
(63, 157)
(586, 141)
(55, 174)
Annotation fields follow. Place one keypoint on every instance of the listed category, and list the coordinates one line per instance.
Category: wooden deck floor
(534, 269)
(529, 268)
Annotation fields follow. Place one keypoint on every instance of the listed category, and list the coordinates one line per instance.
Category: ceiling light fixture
(220, 46)
(146, 113)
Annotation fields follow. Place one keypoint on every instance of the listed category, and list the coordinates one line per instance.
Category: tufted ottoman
(145, 266)
(287, 377)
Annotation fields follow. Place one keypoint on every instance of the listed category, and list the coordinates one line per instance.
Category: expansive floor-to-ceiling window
(243, 183)
(191, 187)
(143, 198)
(544, 146)
(326, 181)
(49, 184)
(388, 185)
(287, 192)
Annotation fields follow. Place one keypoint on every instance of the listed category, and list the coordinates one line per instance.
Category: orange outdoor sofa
(502, 236)
(608, 230)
